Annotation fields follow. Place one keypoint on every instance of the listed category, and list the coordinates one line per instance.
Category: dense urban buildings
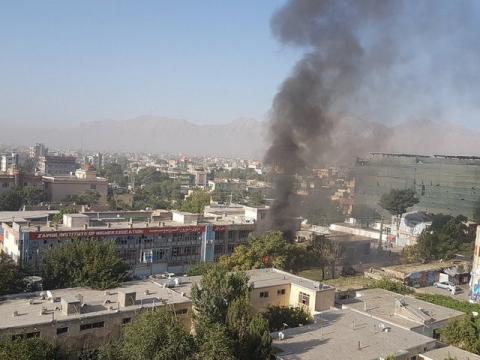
(150, 242)
(444, 184)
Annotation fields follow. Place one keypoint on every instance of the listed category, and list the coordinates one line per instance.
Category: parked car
(447, 286)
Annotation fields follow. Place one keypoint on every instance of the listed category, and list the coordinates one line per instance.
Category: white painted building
(411, 226)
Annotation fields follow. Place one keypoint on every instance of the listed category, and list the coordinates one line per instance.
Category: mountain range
(248, 138)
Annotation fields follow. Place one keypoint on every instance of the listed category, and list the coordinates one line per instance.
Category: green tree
(223, 298)
(157, 335)
(259, 341)
(446, 237)
(277, 316)
(90, 198)
(58, 218)
(32, 195)
(84, 263)
(15, 198)
(196, 202)
(463, 333)
(268, 250)
(200, 269)
(114, 174)
(396, 202)
(11, 280)
(215, 343)
(11, 200)
(27, 349)
(217, 290)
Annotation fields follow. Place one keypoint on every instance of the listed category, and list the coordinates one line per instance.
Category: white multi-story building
(9, 162)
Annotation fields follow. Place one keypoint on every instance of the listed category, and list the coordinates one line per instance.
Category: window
(99, 324)
(181, 311)
(304, 298)
(126, 320)
(93, 186)
(26, 336)
(281, 292)
(264, 294)
(231, 235)
(32, 334)
(62, 330)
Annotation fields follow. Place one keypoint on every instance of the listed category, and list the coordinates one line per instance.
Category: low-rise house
(81, 318)
(349, 335)
(403, 311)
(422, 275)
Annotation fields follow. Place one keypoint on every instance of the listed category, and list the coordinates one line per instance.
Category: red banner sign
(115, 232)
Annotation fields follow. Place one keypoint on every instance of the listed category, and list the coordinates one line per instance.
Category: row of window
(266, 294)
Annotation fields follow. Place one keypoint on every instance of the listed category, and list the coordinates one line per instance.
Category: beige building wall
(74, 339)
(57, 191)
(318, 300)
(277, 296)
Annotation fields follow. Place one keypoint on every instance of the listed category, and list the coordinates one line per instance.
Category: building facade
(149, 247)
(443, 184)
(83, 319)
(59, 187)
(9, 162)
(19, 180)
(57, 165)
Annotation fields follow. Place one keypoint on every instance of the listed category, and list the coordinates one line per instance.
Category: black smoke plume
(321, 84)
(377, 60)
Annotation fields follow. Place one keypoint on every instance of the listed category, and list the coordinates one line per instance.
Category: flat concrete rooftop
(347, 335)
(258, 278)
(29, 306)
(140, 225)
(380, 304)
(7, 216)
(261, 278)
(449, 352)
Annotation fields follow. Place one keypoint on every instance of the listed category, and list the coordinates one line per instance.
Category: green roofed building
(444, 184)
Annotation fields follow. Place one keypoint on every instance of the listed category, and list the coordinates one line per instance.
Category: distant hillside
(247, 138)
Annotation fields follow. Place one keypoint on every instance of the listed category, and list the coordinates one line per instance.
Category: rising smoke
(351, 48)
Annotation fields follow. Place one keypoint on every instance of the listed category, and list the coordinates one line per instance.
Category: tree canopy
(463, 333)
(11, 279)
(277, 316)
(27, 349)
(398, 201)
(196, 202)
(15, 198)
(269, 250)
(221, 303)
(446, 237)
(89, 197)
(93, 264)
(114, 174)
(157, 335)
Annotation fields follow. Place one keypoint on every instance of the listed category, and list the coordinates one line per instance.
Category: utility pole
(381, 234)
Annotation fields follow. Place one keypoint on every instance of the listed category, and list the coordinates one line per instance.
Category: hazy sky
(211, 61)
(205, 61)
